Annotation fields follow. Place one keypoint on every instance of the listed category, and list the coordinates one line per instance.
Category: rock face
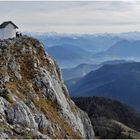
(34, 102)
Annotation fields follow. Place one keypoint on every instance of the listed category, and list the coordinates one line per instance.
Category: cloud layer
(73, 17)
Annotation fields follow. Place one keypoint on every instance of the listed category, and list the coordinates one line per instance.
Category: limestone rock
(34, 102)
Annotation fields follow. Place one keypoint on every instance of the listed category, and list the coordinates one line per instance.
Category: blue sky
(73, 17)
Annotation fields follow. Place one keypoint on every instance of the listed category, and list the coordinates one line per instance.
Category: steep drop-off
(34, 102)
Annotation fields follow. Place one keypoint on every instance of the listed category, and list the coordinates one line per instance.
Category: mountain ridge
(111, 119)
(119, 81)
(84, 68)
(34, 102)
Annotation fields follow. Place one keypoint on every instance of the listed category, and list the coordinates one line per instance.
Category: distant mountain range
(110, 119)
(129, 35)
(82, 69)
(90, 42)
(125, 48)
(71, 50)
(122, 49)
(68, 55)
(119, 81)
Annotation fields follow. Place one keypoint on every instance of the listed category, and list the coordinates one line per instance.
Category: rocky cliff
(34, 102)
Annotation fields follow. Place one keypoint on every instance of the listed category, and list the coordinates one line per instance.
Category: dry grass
(14, 89)
(23, 91)
(51, 112)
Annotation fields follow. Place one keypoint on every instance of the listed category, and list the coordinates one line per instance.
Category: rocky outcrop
(34, 102)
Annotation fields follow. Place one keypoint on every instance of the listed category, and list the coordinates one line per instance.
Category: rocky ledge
(34, 102)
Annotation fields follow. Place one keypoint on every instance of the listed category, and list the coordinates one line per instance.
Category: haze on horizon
(73, 17)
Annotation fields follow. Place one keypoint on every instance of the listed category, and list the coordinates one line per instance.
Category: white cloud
(81, 17)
